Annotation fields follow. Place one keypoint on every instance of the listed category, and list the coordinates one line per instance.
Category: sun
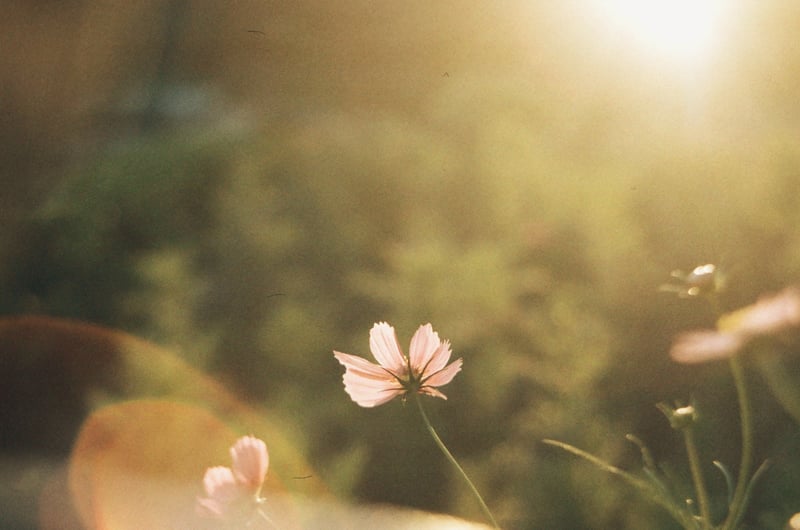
(680, 30)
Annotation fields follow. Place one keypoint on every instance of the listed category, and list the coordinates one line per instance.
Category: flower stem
(747, 445)
(697, 477)
(453, 461)
(783, 387)
(739, 498)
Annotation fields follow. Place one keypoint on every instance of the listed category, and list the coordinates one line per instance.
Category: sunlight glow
(680, 30)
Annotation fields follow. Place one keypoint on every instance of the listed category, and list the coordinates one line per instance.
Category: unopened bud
(680, 418)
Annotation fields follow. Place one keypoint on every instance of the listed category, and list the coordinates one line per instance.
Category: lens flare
(680, 30)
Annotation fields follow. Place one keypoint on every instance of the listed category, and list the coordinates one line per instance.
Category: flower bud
(680, 418)
(703, 280)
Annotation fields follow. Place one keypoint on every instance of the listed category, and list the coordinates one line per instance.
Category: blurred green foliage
(526, 191)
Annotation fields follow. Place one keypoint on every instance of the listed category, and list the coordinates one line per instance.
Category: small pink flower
(424, 369)
(701, 346)
(241, 483)
(772, 316)
(250, 462)
(222, 490)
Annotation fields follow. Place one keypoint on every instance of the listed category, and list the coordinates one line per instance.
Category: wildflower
(680, 418)
(424, 369)
(702, 346)
(239, 484)
(703, 280)
(771, 317)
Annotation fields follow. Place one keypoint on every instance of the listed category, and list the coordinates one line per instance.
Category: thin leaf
(682, 516)
(728, 478)
(647, 456)
(749, 491)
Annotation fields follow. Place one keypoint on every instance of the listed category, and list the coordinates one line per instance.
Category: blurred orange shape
(140, 464)
(65, 380)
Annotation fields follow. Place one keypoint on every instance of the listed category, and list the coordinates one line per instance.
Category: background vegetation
(253, 184)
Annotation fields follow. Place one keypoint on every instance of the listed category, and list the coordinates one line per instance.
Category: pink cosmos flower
(708, 345)
(424, 369)
(239, 484)
(771, 316)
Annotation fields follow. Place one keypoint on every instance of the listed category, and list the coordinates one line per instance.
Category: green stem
(783, 387)
(453, 461)
(747, 445)
(740, 493)
(697, 477)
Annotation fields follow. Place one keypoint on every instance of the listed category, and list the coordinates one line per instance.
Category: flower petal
(370, 395)
(385, 348)
(218, 481)
(425, 345)
(222, 490)
(430, 391)
(702, 346)
(772, 314)
(250, 462)
(439, 359)
(443, 376)
(363, 367)
(368, 384)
